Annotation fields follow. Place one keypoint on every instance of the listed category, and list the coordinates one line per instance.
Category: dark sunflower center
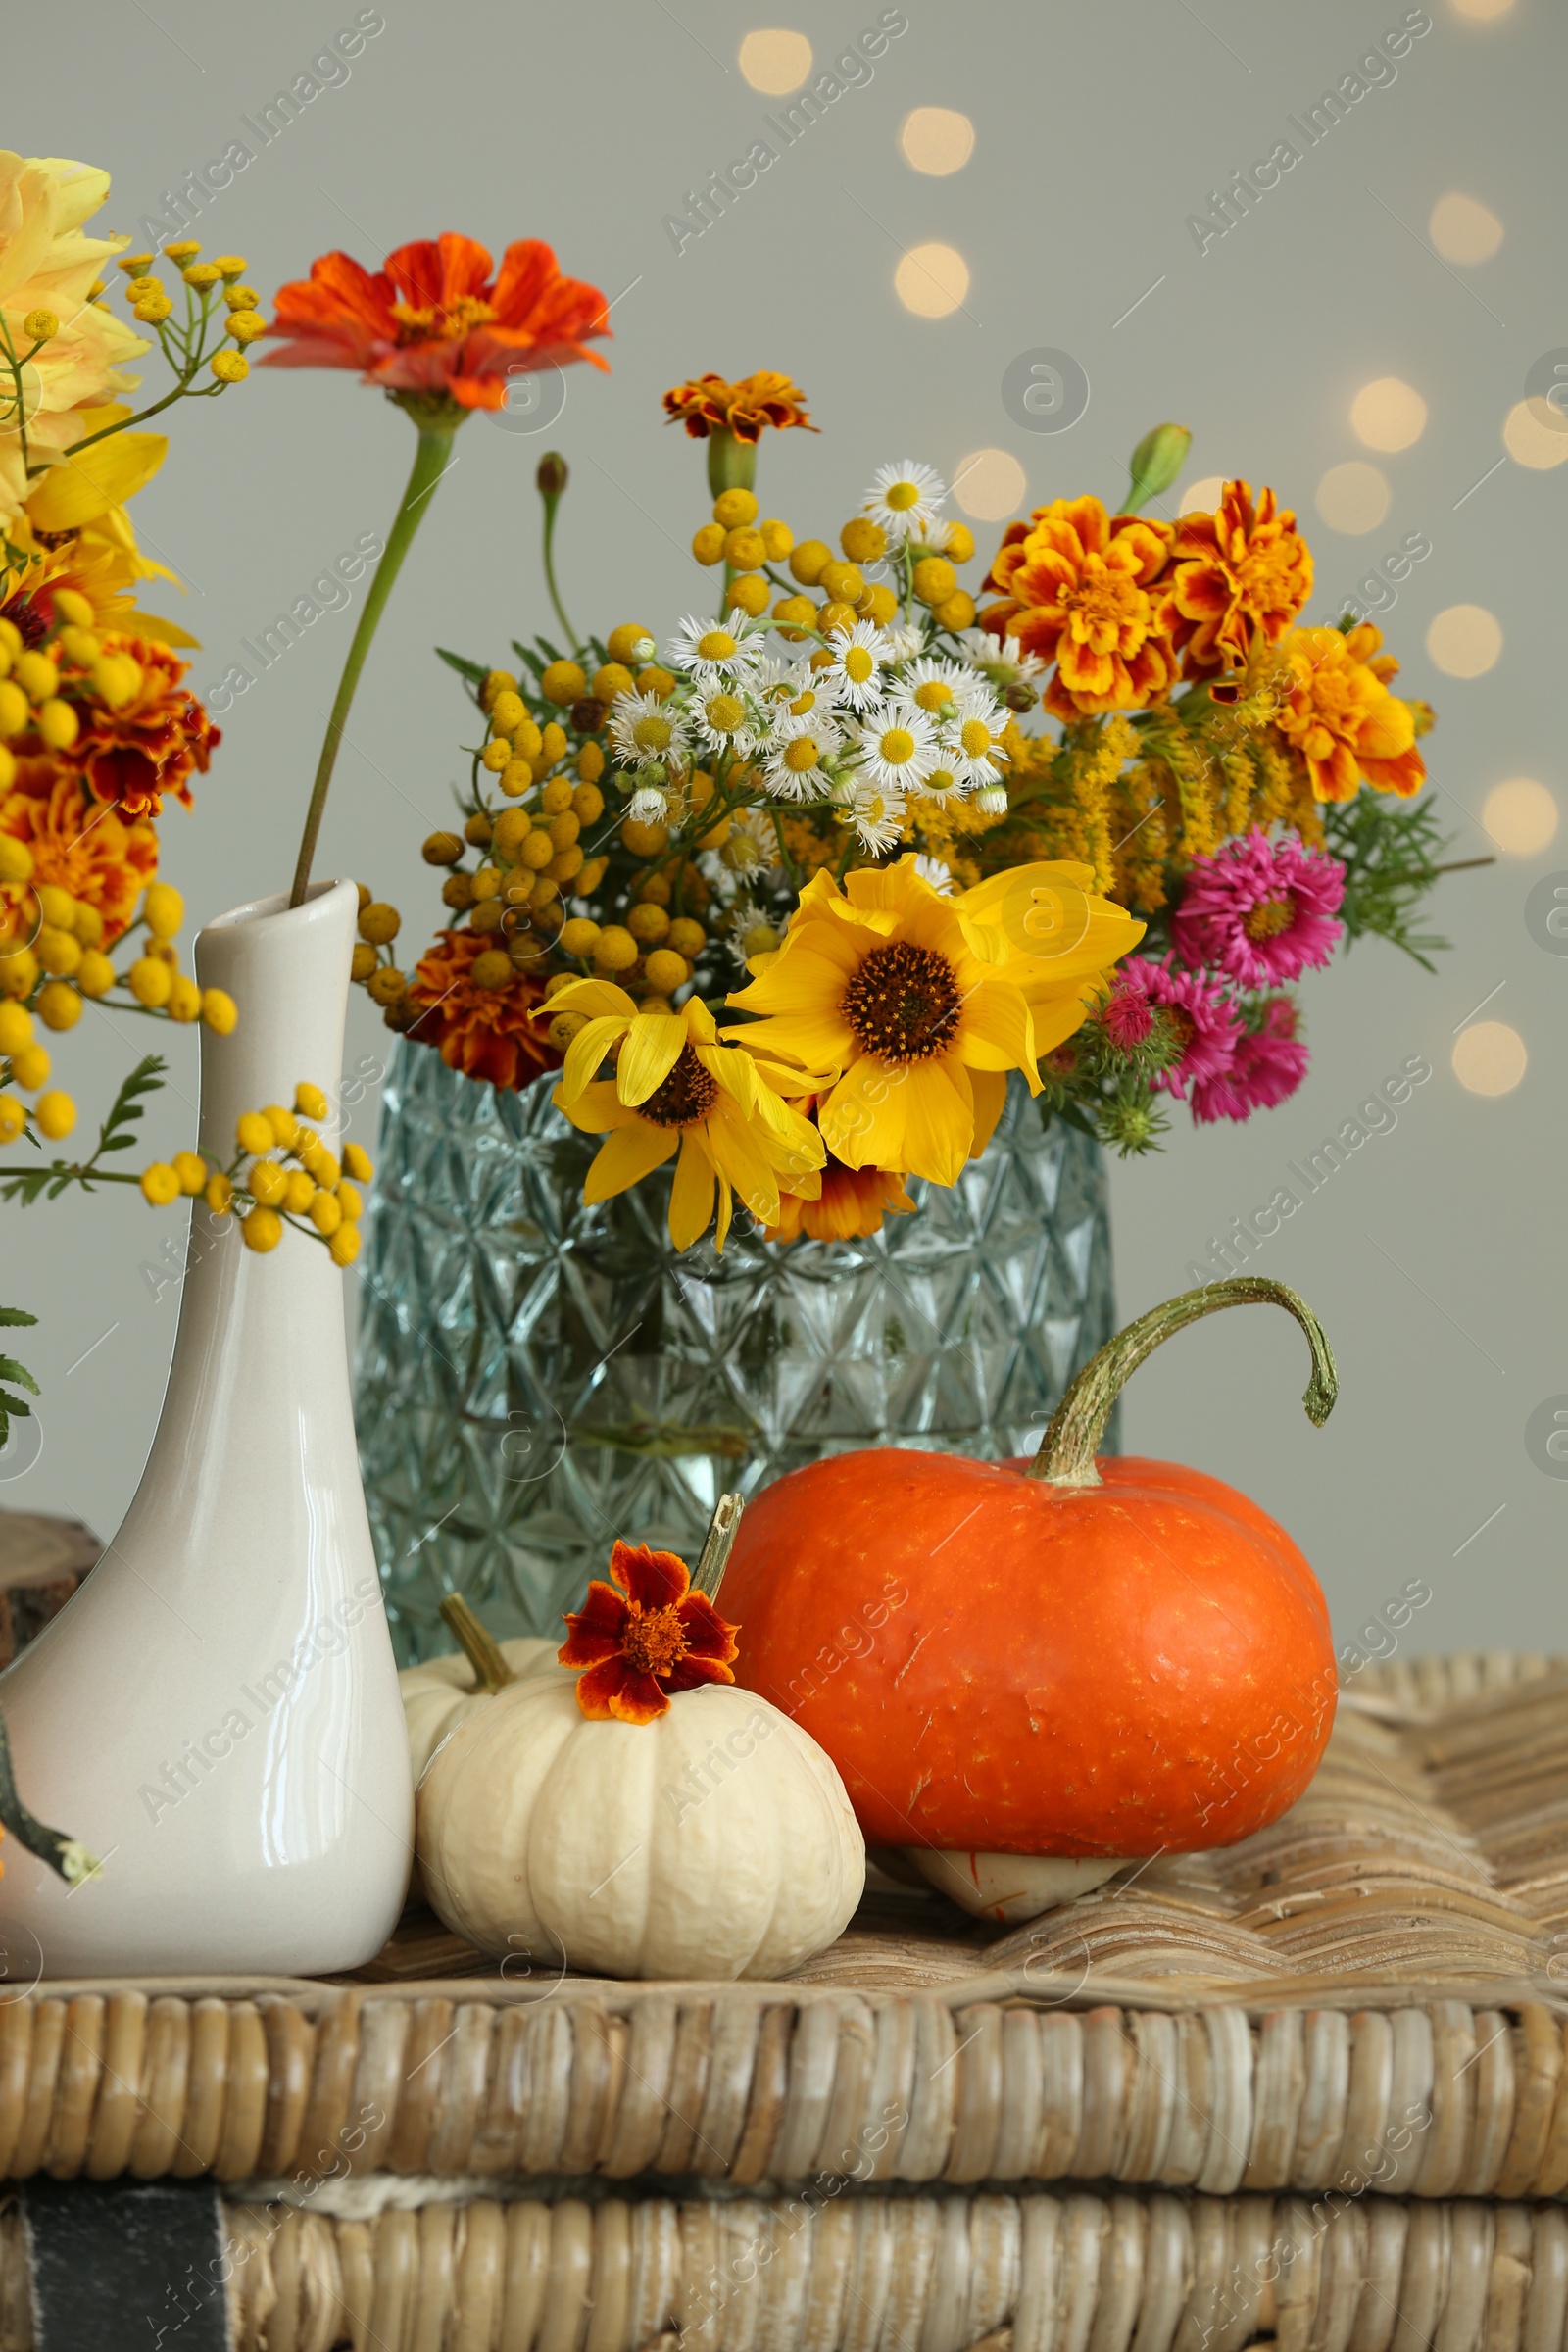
(655, 1639)
(903, 1004)
(686, 1095)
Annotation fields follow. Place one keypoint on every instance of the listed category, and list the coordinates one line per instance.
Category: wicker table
(1311, 2088)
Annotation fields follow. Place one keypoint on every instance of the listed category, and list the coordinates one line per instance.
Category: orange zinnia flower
(85, 850)
(1237, 578)
(1077, 584)
(653, 1637)
(707, 403)
(1338, 712)
(150, 745)
(433, 325)
(484, 1032)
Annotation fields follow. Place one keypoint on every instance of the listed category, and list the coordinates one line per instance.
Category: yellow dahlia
(46, 263)
(677, 1090)
(1338, 712)
(924, 1003)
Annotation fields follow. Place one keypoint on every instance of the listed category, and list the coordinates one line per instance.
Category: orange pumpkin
(1065, 1657)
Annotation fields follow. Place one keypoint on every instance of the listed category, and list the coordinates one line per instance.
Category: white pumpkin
(445, 1691)
(1010, 1886)
(715, 1842)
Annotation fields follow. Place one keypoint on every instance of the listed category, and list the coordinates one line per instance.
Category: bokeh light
(1388, 414)
(990, 483)
(931, 281)
(1534, 435)
(1463, 230)
(1489, 1057)
(1482, 10)
(1353, 497)
(775, 61)
(936, 139)
(1464, 640)
(1201, 498)
(1521, 816)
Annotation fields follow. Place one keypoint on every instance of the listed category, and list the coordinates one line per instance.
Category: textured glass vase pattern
(536, 1378)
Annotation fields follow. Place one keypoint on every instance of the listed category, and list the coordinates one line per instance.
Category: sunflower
(484, 1032)
(1338, 712)
(1237, 578)
(677, 1089)
(925, 1002)
(1078, 586)
(433, 325)
(708, 403)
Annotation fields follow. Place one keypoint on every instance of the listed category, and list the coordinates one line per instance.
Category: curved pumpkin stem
(480, 1648)
(1067, 1456)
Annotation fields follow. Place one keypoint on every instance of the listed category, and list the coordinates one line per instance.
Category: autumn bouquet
(787, 892)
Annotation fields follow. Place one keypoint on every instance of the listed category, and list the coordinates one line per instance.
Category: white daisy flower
(794, 767)
(904, 640)
(936, 687)
(936, 536)
(643, 730)
(932, 870)
(876, 811)
(970, 749)
(728, 720)
(647, 807)
(898, 748)
(944, 782)
(708, 649)
(856, 667)
(992, 801)
(904, 499)
(1004, 664)
(751, 846)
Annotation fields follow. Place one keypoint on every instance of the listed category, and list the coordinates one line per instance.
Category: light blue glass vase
(536, 1378)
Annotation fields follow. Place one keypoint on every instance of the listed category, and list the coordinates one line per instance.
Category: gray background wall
(1436, 1255)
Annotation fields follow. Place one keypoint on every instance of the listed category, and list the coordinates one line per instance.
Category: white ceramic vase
(216, 1713)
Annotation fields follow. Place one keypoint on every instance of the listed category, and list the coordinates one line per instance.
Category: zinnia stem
(550, 502)
(429, 465)
(1067, 1456)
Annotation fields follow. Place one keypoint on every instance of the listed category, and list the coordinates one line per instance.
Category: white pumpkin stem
(490, 1669)
(1067, 1456)
(717, 1545)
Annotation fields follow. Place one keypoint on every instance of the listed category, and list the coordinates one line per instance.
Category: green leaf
(116, 1133)
(1391, 850)
(15, 1407)
(464, 669)
(16, 1315)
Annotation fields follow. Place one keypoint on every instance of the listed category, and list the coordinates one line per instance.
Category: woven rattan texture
(1041, 2273)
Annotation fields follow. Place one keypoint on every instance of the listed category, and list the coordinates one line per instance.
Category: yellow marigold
(1078, 590)
(84, 848)
(1237, 580)
(1338, 712)
(707, 403)
(47, 264)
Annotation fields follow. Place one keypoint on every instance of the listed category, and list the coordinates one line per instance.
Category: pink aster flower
(1260, 912)
(1201, 1016)
(1127, 1016)
(1268, 1067)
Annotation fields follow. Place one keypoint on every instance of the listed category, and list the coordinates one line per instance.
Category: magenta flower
(1260, 912)
(1198, 1014)
(1127, 1016)
(1268, 1065)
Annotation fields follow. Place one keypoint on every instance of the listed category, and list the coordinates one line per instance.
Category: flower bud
(1155, 463)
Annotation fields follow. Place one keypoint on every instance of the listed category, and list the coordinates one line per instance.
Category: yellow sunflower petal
(626, 1156)
(596, 1110)
(596, 998)
(586, 1052)
(938, 1120)
(691, 1198)
(1055, 1020)
(989, 1091)
(650, 1049)
(818, 1039)
(995, 1031)
(734, 1071)
(862, 1118)
(726, 1204)
(739, 1153)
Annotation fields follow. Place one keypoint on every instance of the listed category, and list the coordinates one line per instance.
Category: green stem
(1067, 1455)
(429, 465)
(550, 503)
(482, 1652)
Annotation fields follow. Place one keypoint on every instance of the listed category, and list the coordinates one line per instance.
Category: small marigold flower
(640, 1643)
(707, 403)
(1237, 578)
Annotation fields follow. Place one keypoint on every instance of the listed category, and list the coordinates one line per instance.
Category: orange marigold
(853, 1201)
(484, 1032)
(83, 848)
(1338, 712)
(707, 403)
(645, 1636)
(150, 745)
(1077, 585)
(1237, 578)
